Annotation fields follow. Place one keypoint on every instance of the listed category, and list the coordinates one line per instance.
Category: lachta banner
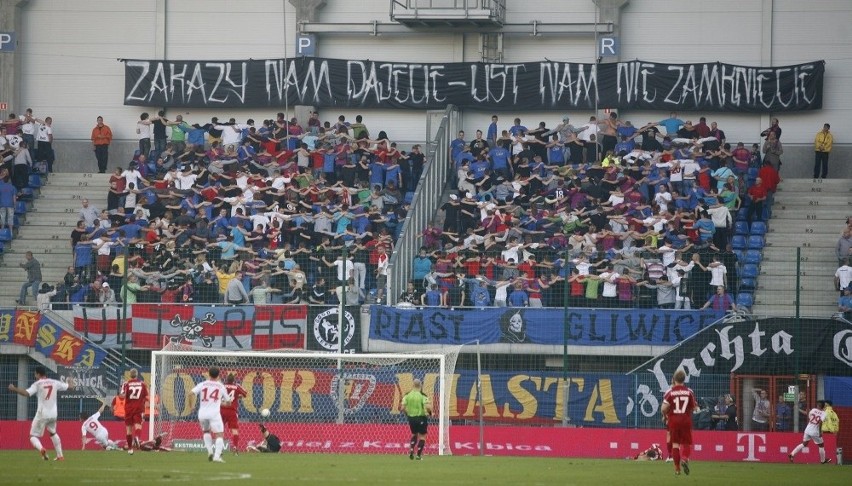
(150, 326)
(36, 330)
(773, 346)
(543, 85)
(586, 327)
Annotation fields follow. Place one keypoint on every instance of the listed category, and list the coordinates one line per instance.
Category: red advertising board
(499, 441)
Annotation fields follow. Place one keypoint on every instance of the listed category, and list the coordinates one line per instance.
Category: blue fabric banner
(586, 327)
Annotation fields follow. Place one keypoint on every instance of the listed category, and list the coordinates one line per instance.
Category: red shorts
(681, 433)
(230, 419)
(132, 418)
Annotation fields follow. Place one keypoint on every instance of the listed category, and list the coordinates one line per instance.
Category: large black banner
(774, 346)
(324, 328)
(638, 85)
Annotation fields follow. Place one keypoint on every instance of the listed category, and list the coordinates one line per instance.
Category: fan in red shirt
(678, 405)
(229, 410)
(135, 392)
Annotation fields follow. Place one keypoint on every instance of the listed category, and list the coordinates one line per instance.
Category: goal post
(318, 402)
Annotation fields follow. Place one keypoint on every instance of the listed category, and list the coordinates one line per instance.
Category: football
(264, 412)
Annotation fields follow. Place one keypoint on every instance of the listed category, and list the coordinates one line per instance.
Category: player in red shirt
(229, 410)
(135, 393)
(678, 405)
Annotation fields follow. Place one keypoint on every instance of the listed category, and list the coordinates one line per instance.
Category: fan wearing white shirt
(663, 198)
(44, 135)
(231, 133)
(131, 175)
(46, 389)
(211, 394)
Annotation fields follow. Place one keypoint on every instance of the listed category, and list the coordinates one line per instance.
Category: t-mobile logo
(751, 445)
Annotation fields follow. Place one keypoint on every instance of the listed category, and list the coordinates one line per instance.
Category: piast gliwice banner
(544, 85)
(527, 325)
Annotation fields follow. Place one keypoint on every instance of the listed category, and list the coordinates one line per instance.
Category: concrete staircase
(808, 214)
(46, 230)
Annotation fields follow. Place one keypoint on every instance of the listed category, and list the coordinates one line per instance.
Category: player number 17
(680, 405)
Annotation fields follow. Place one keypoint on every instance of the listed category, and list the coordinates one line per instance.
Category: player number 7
(49, 389)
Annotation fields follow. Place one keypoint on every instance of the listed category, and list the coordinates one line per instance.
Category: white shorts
(40, 424)
(102, 437)
(212, 424)
(816, 438)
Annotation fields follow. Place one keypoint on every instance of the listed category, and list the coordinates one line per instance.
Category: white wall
(69, 51)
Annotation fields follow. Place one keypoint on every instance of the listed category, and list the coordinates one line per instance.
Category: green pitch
(119, 468)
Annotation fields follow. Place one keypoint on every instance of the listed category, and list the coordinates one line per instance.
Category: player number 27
(680, 405)
(212, 395)
(135, 392)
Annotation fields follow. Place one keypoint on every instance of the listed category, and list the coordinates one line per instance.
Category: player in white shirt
(45, 418)
(813, 432)
(92, 425)
(211, 393)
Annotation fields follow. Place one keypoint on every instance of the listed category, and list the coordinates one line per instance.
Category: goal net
(318, 402)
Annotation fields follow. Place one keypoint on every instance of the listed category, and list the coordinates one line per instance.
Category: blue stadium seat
(409, 196)
(745, 300)
(742, 214)
(758, 228)
(748, 284)
(26, 194)
(5, 235)
(749, 270)
(35, 181)
(20, 208)
(755, 242)
(752, 257)
(738, 242)
(741, 228)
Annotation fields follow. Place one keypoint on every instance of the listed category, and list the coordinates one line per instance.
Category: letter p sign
(7, 41)
(306, 45)
(608, 46)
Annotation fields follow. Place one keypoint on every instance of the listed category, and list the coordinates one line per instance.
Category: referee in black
(415, 405)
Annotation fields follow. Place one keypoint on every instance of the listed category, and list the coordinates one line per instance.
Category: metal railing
(496, 8)
(426, 200)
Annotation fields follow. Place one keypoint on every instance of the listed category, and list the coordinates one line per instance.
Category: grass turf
(98, 467)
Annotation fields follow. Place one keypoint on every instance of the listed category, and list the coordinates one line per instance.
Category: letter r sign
(306, 45)
(608, 46)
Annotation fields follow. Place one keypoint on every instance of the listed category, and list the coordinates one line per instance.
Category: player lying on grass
(653, 453)
(93, 426)
(155, 445)
(270, 442)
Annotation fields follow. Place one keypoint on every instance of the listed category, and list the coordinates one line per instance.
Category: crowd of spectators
(605, 214)
(26, 146)
(230, 212)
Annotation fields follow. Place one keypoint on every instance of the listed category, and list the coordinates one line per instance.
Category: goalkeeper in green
(415, 406)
